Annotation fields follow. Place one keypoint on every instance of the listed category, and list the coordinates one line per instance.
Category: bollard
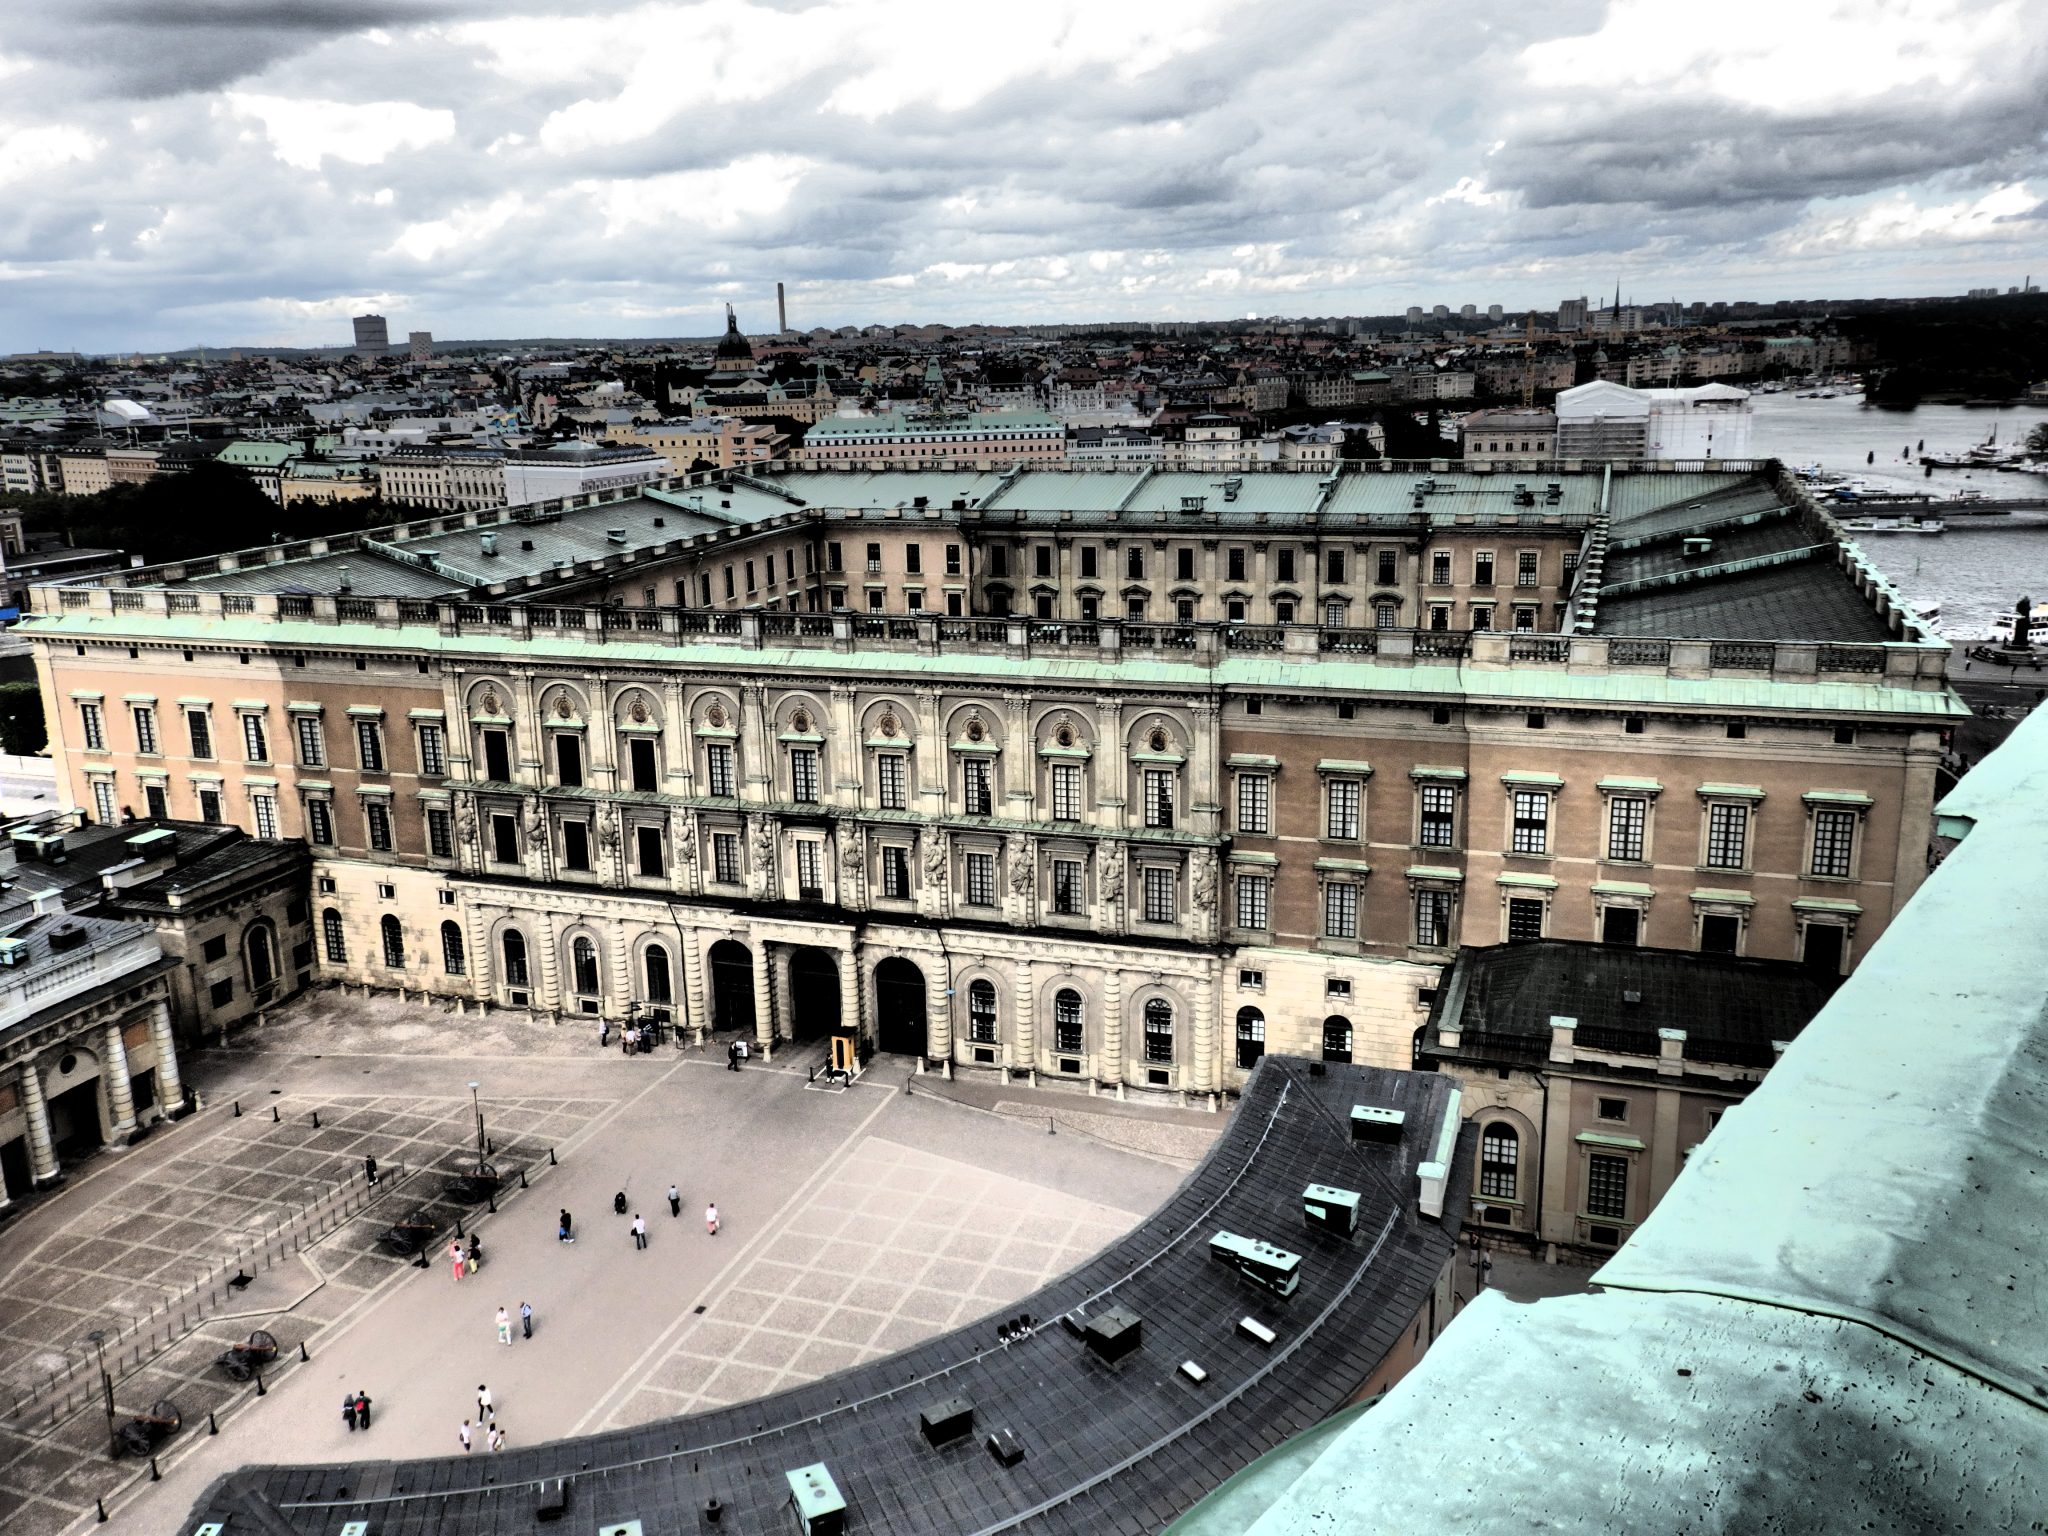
(492, 1199)
(274, 1120)
(551, 1157)
(302, 1351)
(491, 1145)
(458, 1228)
(1050, 1128)
(154, 1475)
(261, 1390)
(522, 1178)
(316, 1119)
(211, 1427)
(103, 1510)
(238, 1109)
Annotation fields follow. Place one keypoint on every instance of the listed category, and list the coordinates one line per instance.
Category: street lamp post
(477, 1105)
(99, 1343)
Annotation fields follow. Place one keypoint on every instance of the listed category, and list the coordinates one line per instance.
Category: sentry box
(1332, 1209)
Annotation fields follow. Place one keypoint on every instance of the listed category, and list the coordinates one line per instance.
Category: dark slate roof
(1666, 554)
(1811, 599)
(1731, 1007)
(1108, 1449)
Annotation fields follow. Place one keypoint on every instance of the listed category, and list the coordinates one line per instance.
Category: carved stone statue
(764, 844)
(608, 829)
(1023, 867)
(465, 821)
(685, 839)
(935, 859)
(1111, 878)
(852, 861)
(1202, 882)
(536, 819)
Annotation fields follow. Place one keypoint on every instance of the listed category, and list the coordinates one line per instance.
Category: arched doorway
(260, 949)
(899, 1007)
(732, 986)
(813, 993)
(72, 1092)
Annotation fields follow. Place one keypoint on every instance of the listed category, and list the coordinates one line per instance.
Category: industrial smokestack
(781, 312)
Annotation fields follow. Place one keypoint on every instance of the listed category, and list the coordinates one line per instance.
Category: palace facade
(1120, 778)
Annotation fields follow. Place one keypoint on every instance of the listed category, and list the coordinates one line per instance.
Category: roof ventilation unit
(489, 541)
(1193, 503)
(1698, 544)
(615, 535)
(820, 1510)
(1332, 1209)
(1370, 1123)
(1261, 1263)
(946, 1421)
(1113, 1333)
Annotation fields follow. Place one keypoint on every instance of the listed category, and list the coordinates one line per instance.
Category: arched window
(452, 960)
(1066, 1020)
(1500, 1151)
(655, 963)
(1336, 1038)
(261, 953)
(514, 946)
(1251, 1037)
(981, 1012)
(330, 930)
(1158, 1030)
(394, 942)
(583, 966)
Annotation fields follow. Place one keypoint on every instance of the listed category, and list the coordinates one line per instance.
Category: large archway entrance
(900, 1007)
(732, 986)
(813, 993)
(73, 1091)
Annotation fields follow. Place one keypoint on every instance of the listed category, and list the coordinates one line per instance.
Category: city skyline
(218, 173)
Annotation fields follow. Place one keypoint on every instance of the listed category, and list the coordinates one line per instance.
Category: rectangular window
(1499, 1153)
(974, 786)
(1255, 804)
(1134, 563)
(810, 868)
(1482, 568)
(1342, 821)
(377, 817)
(263, 815)
(1088, 557)
(725, 858)
(1439, 815)
(312, 743)
(1333, 567)
(999, 560)
(320, 823)
(156, 802)
(1066, 791)
(1158, 1033)
(1525, 919)
(255, 740)
(981, 879)
(145, 730)
(201, 730)
(835, 557)
(1607, 1187)
(895, 872)
(1184, 564)
(1627, 816)
(103, 800)
(1254, 901)
(803, 775)
(647, 848)
(505, 838)
(1340, 909)
(1440, 568)
(576, 846)
(1388, 568)
(440, 833)
(1160, 906)
(1066, 887)
(370, 745)
(1158, 797)
(1432, 919)
(1283, 565)
(1525, 568)
(891, 788)
(1727, 835)
(1532, 822)
(641, 758)
(952, 559)
(874, 559)
(568, 760)
(750, 576)
(1233, 564)
(1041, 555)
(718, 768)
(1834, 839)
(913, 559)
(209, 806)
(93, 725)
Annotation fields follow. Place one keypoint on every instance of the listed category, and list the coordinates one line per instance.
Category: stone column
(1205, 1063)
(5, 1201)
(840, 773)
(764, 1002)
(938, 1011)
(170, 1082)
(1110, 1064)
(120, 1095)
(1019, 760)
(929, 762)
(1026, 1033)
(42, 1149)
(1110, 764)
(692, 960)
(849, 992)
(756, 743)
(1203, 788)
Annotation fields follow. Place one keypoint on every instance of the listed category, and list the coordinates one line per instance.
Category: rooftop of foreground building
(1832, 1321)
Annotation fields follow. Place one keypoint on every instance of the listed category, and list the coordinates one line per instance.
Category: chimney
(781, 311)
(342, 583)
(489, 541)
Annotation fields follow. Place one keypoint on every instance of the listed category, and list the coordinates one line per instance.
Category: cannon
(141, 1435)
(409, 1235)
(243, 1360)
(474, 1185)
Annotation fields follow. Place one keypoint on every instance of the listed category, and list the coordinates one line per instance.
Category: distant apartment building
(1603, 420)
(373, 338)
(419, 346)
(1508, 376)
(132, 466)
(264, 463)
(1501, 439)
(1113, 446)
(724, 442)
(85, 470)
(893, 440)
(578, 469)
(1571, 314)
(443, 479)
(317, 480)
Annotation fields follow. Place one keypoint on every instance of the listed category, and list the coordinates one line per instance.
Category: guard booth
(845, 1050)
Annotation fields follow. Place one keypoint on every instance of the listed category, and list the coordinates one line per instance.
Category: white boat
(2037, 630)
(1893, 525)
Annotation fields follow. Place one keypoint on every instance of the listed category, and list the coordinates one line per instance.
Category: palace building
(1113, 777)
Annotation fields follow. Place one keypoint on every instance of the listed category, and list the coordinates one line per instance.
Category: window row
(252, 736)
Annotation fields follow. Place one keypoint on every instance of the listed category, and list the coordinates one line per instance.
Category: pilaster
(114, 1079)
(42, 1149)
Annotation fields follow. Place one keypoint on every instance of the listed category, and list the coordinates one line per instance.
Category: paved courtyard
(854, 1223)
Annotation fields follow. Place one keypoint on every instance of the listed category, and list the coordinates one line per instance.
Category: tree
(2037, 440)
(21, 719)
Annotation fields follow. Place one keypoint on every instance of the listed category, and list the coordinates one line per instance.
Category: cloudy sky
(255, 171)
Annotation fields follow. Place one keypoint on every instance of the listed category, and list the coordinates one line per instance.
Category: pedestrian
(469, 1259)
(604, 1034)
(370, 1171)
(562, 1229)
(348, 1413)
(455, 1258)
(485, 1408)
(504, 1326)
(675, 1201)
(497, 1438)
(639, 1230)
(363, 1409)
(711, 1218)
(732, 1056)
(526, 1318)
(619, 1203)
(462, 1434)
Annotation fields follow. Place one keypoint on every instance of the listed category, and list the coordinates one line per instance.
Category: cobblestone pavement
(854, 1223)
(898, 1245)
